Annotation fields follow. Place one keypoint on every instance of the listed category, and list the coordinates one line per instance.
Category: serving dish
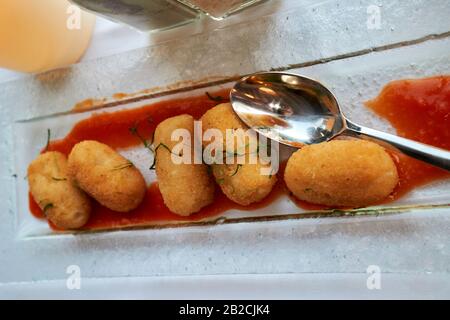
(30, 138)
(355, 64)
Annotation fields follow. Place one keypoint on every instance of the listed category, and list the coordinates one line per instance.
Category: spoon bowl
(293, 110)
(297, 111)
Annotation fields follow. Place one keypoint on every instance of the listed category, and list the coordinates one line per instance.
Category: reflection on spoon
(297, 111)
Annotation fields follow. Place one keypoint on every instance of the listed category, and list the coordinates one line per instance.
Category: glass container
(144, 15)
(41, 35)
(219, 9)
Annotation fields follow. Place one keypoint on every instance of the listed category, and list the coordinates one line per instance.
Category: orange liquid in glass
(40, 35)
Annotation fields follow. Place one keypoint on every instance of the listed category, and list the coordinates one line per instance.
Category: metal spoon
(298, 111)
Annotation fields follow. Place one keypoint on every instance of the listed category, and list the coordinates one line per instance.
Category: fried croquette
(240, 140)
(242, 183)
(62, 202)
(341, 173)
(185, 187)
(106, 176)
(223, 118)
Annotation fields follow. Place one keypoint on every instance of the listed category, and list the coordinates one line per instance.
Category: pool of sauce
(418, 109)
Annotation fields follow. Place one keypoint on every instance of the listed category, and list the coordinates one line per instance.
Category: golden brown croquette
(241, 183)
(107, 176)
(186, 187)
(62, 202)
(221, 117)
(341, 173)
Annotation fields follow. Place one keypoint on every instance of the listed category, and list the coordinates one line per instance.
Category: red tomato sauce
(418, 109)
(113, 129)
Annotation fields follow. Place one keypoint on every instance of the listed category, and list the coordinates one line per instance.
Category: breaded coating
(107, 176)
(62, 202)
(221, 117)
(186, 188)
(241, 183)
(341, 173)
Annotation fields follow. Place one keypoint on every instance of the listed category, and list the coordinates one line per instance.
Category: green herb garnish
(59, 179)
(214, 98)
(47, 207)
(239, 166)
(135, 132)
(161, 145)
(153, 166)
(126, 165)
(49, 133)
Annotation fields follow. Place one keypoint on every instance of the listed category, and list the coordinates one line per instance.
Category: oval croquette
(221, 117)
(341, 173)
(241, 183)
(107, 176)
(62, 202)
(185, 188)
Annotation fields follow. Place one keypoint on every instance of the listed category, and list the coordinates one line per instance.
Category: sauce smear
(418, 110)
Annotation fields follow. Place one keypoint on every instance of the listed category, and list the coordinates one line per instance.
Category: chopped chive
(47, 207)
(152, 167)
(165, 147)
(59, 179)
(48, 139)
(134, 131)
(127, 165)
(214, 98)
(237, 169)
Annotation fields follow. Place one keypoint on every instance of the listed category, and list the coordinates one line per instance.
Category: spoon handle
(432, 155)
